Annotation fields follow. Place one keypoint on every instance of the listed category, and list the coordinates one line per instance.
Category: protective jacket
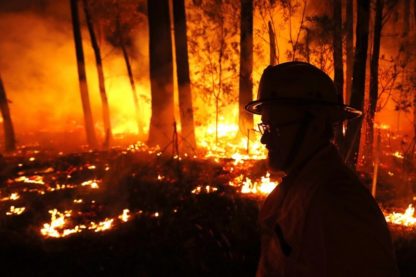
(321, 221)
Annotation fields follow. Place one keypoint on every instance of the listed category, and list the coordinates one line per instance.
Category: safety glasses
(265, 128)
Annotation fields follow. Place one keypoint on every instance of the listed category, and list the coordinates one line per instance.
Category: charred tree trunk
(246, 65)
(184, 83)
(349, 49)
(89, 123)
(161, 73)
(272, 38)
(338, 66)
(100, 73)
(374, 80)
(9, 138)
(353, 134)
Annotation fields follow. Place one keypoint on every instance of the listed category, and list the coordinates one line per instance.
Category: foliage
(213, 42)
(118, 19)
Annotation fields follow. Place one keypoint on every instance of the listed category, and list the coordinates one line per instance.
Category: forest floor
(135, 212)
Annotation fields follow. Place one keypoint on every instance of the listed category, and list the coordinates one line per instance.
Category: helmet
(300, 84)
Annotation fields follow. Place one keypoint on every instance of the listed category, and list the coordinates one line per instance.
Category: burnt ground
(205, 233)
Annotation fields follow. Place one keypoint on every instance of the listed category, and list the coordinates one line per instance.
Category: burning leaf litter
(406, 219)
(89, 170)
(15, 210)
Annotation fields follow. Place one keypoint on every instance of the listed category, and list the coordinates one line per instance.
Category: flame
(57, 222)
(91, 183)
(15, 210)
(125, 215)
(12, 197)
(405, 219)
(58, 227)
(398, 154)
(104, 225)
(262, 187)
(204, 189)
(35, 179)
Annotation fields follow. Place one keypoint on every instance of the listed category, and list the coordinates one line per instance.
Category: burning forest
(125, 146)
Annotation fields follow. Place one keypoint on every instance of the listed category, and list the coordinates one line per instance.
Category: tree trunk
(100, 73)
(374, 80)
(353, 134)
(272, 39)
(9, 138)
(82, 77)
(246, 65)
(161, 73)
(184, 83)
(349, 49)
(338, 65)
(307, 45)
(140, 130)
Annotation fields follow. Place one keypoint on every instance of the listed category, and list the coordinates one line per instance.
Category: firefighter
(321, 220)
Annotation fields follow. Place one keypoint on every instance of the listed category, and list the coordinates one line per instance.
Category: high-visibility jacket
(323, 222)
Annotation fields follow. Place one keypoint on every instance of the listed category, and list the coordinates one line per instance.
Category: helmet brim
(341, 112)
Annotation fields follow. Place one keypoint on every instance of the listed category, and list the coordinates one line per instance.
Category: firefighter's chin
(275, 161)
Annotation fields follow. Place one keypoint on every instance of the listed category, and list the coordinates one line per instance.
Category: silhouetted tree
(374, 65)
(246, 65)
(338, 64)
(184, 83)
(82, 77)
(100, 73)
(161, 73)
(353, 134)
(272, 44)
(9, 137)
(349, 48)
(118, 20)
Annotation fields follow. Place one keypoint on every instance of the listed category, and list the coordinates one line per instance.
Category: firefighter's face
(279, 127)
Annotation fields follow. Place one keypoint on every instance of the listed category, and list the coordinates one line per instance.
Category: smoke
(39, 71)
